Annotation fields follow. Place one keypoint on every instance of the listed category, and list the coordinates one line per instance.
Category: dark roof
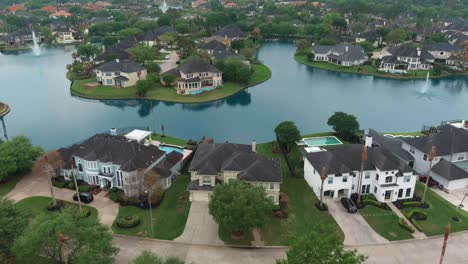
(197, 65)
(447, 141)
(224, 54)
(116, 54)
(129, 154)
(369, 35)
(347, 158)
(214, 45)
(122, 45)
(231, 31)
(122, 66)
(449, 171)
(393, 60)
(342, 52)
(442, 46)
(212, 158)
(404, 50)
(165, 166)
(121, 78)
(391, 144)
(155, 33)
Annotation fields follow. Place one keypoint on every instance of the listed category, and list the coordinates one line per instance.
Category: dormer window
(388, 179)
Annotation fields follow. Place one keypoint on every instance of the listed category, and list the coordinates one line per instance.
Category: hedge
(402, 223)
(128, 221)
(369, 196)
(58, 184)
(410, 214)
(85, 212)
(84, 188)
(412, 204)
(372, 202)
(416, 224)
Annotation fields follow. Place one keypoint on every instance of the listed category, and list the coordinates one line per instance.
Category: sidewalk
(417, 234)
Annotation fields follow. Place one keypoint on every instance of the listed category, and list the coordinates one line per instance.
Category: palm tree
(49, 164)
(363, 159)
(323, 176)
(431, 158)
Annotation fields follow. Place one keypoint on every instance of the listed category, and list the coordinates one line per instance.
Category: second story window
(345, 178)
(330, 180)
(407, 179)
(108, 74)
(425, 157)
(272, 186)
(367, 175)
(376, 177)
(117, 73)
(388, 179)
(411, 150)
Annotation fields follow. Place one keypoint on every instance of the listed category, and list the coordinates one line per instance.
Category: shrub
(372, 202)
(417, 214)
(412, 204)
(85, 188)
(71, 185)
(191, 142)
(114, 196)
(125, 200)
(368, 196)
(52, 207)
(114, 190)
(416, 224)
(58, 184)
(402, 223)
(85, 212)
(128, 221)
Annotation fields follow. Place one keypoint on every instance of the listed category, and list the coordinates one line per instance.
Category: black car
(349, 205)
(84, 197)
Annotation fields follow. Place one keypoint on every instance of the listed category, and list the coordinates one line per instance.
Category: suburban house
(451, 146)
(115, 161)
(217, 163)
(392, 144)
(151, 37)
(213, 46)
(370, 36)
(227, 34)
(64, 35)
(119, 73)
(405, 57)
(444, 52)
(384, 175)
(344, 55)
(24, 36)
(195, 75)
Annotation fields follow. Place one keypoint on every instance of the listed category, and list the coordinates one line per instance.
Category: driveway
(454, 197)
(355, 228)
(169, 63)
(37, 185)
(200, 227)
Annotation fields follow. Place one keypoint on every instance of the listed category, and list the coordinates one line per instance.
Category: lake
(44, 110)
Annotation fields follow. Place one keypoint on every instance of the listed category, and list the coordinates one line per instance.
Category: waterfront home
(228, 34)
(384, 175)
(195, 75)
(216, 163)
(64, 35)
(119, 73)
(344, 55)
(110, 161)
(405, 57)
(151, 37)
(213, 45)
(23, 37)
(392, 144)
(444, 52)
(451, 145)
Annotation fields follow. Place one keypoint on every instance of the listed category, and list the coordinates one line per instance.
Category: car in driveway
(431, 183)
(349, 205)
(84, 197)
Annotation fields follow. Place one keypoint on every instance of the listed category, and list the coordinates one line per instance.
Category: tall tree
(239, 206)
(17, 155)
(287, 133)
(345, 125)
(87, 51)
(12, 224)
(49, 165)
(321, 245)
(66, 236)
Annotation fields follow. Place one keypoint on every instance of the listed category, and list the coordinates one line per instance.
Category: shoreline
(23, 48)
(297, 58)
(185, 99)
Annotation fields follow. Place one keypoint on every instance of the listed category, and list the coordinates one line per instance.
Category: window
(108, 74)
(207, 180)
(330, 180)
(80, 167)
(345, 178)
(109, 81)
(461, 156)
(272, 186)
(400, 193)
(407, 179)
(388, 179)
(408, 192)
(411, 150)
(377, 177)
(367, 175)
(117, 73)
(425, 157)
(375, 189)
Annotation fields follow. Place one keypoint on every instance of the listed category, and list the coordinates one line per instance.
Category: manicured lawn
(6, 187)
(439, 214)
(303, 216)
(261, 74)
(169, 140)
(169, 218)
(38, 204)
(385, 223)
(225, 236)
(416, 134)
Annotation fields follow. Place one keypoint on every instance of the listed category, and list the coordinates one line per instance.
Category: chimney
(346, 48)
(419, 51)
(113, 131)
(463, 123)
(254, 145)
(368, 143)
(117, 60)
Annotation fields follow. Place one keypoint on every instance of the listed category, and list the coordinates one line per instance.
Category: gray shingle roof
(121, 66)
(404, 50)
(214, 45)
(197, 65)
(449, 171)
(231, 31)
(343, 52)
(212, 158)
(155, 33)
(442, 46)
(391, 144)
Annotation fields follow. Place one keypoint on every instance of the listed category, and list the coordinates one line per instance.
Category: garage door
(199, 196)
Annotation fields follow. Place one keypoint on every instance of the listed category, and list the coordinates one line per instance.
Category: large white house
(451, 147)
(384, 174)
(344, 55)
(120, 73)
(405, 57)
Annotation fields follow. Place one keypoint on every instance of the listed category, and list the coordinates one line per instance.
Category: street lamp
(461, 203)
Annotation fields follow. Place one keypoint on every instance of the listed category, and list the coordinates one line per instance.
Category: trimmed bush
(59, 206)
(58, 184)
(372, 202)
(84, 188)
(128, 221)
(417, 214)
(114, 196)
(368, 196)
(402, 223)
(85, 212)
(416, 224)
(71, 185)
(412, 204)
(125, 200)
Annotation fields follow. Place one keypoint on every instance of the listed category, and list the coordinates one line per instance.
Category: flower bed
(128, 221)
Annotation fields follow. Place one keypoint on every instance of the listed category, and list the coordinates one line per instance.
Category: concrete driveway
(454, 197)
(200, 227)
(169, 63)
(355, 228)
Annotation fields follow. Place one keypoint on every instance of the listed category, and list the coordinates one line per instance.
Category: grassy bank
(370, 70)
(169, 94)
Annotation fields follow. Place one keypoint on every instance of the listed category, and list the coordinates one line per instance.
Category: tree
(49, 164)
(84, 239)
(143, 53)
(345, 125)
(321, 245)
(12, 224)
(130, 32)
(234, 70)
(148, 257)
(143, 86)
(152, 67)
(396, 36)
(239, 206)
(17, 155)
(168, 79)
(186, 46)
(359, 27)
(302, 46)
(87, 51)
(287, 133)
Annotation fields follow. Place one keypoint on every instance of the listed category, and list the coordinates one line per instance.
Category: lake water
(44, 110)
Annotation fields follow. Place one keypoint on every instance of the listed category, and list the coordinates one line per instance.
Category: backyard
(169, 140)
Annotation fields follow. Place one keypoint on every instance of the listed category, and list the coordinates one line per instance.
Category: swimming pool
(202, 90)
(321, 141)
(169, 149)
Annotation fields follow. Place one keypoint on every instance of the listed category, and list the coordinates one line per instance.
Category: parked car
(84, 197)
(349, 205)
(431, 183)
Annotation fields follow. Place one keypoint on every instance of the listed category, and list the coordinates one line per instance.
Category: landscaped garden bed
(39, 204)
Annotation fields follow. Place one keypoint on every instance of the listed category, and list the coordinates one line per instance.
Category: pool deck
(303, 142)
(187, 152)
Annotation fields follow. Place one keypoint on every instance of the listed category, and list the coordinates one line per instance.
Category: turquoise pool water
(202, 90)
(321, 141)
(168, 149)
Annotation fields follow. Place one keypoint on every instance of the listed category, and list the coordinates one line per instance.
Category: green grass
(169, 140)
(169, 221)
(261, 74)
(439, 214)
(6, 187)
(303, 215)
(416, 134)
(385, 223)
(225, 236)
(38, 204)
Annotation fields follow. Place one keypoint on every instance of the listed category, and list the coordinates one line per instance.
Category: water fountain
(164, 7)
(36, 48)
(426, 84)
